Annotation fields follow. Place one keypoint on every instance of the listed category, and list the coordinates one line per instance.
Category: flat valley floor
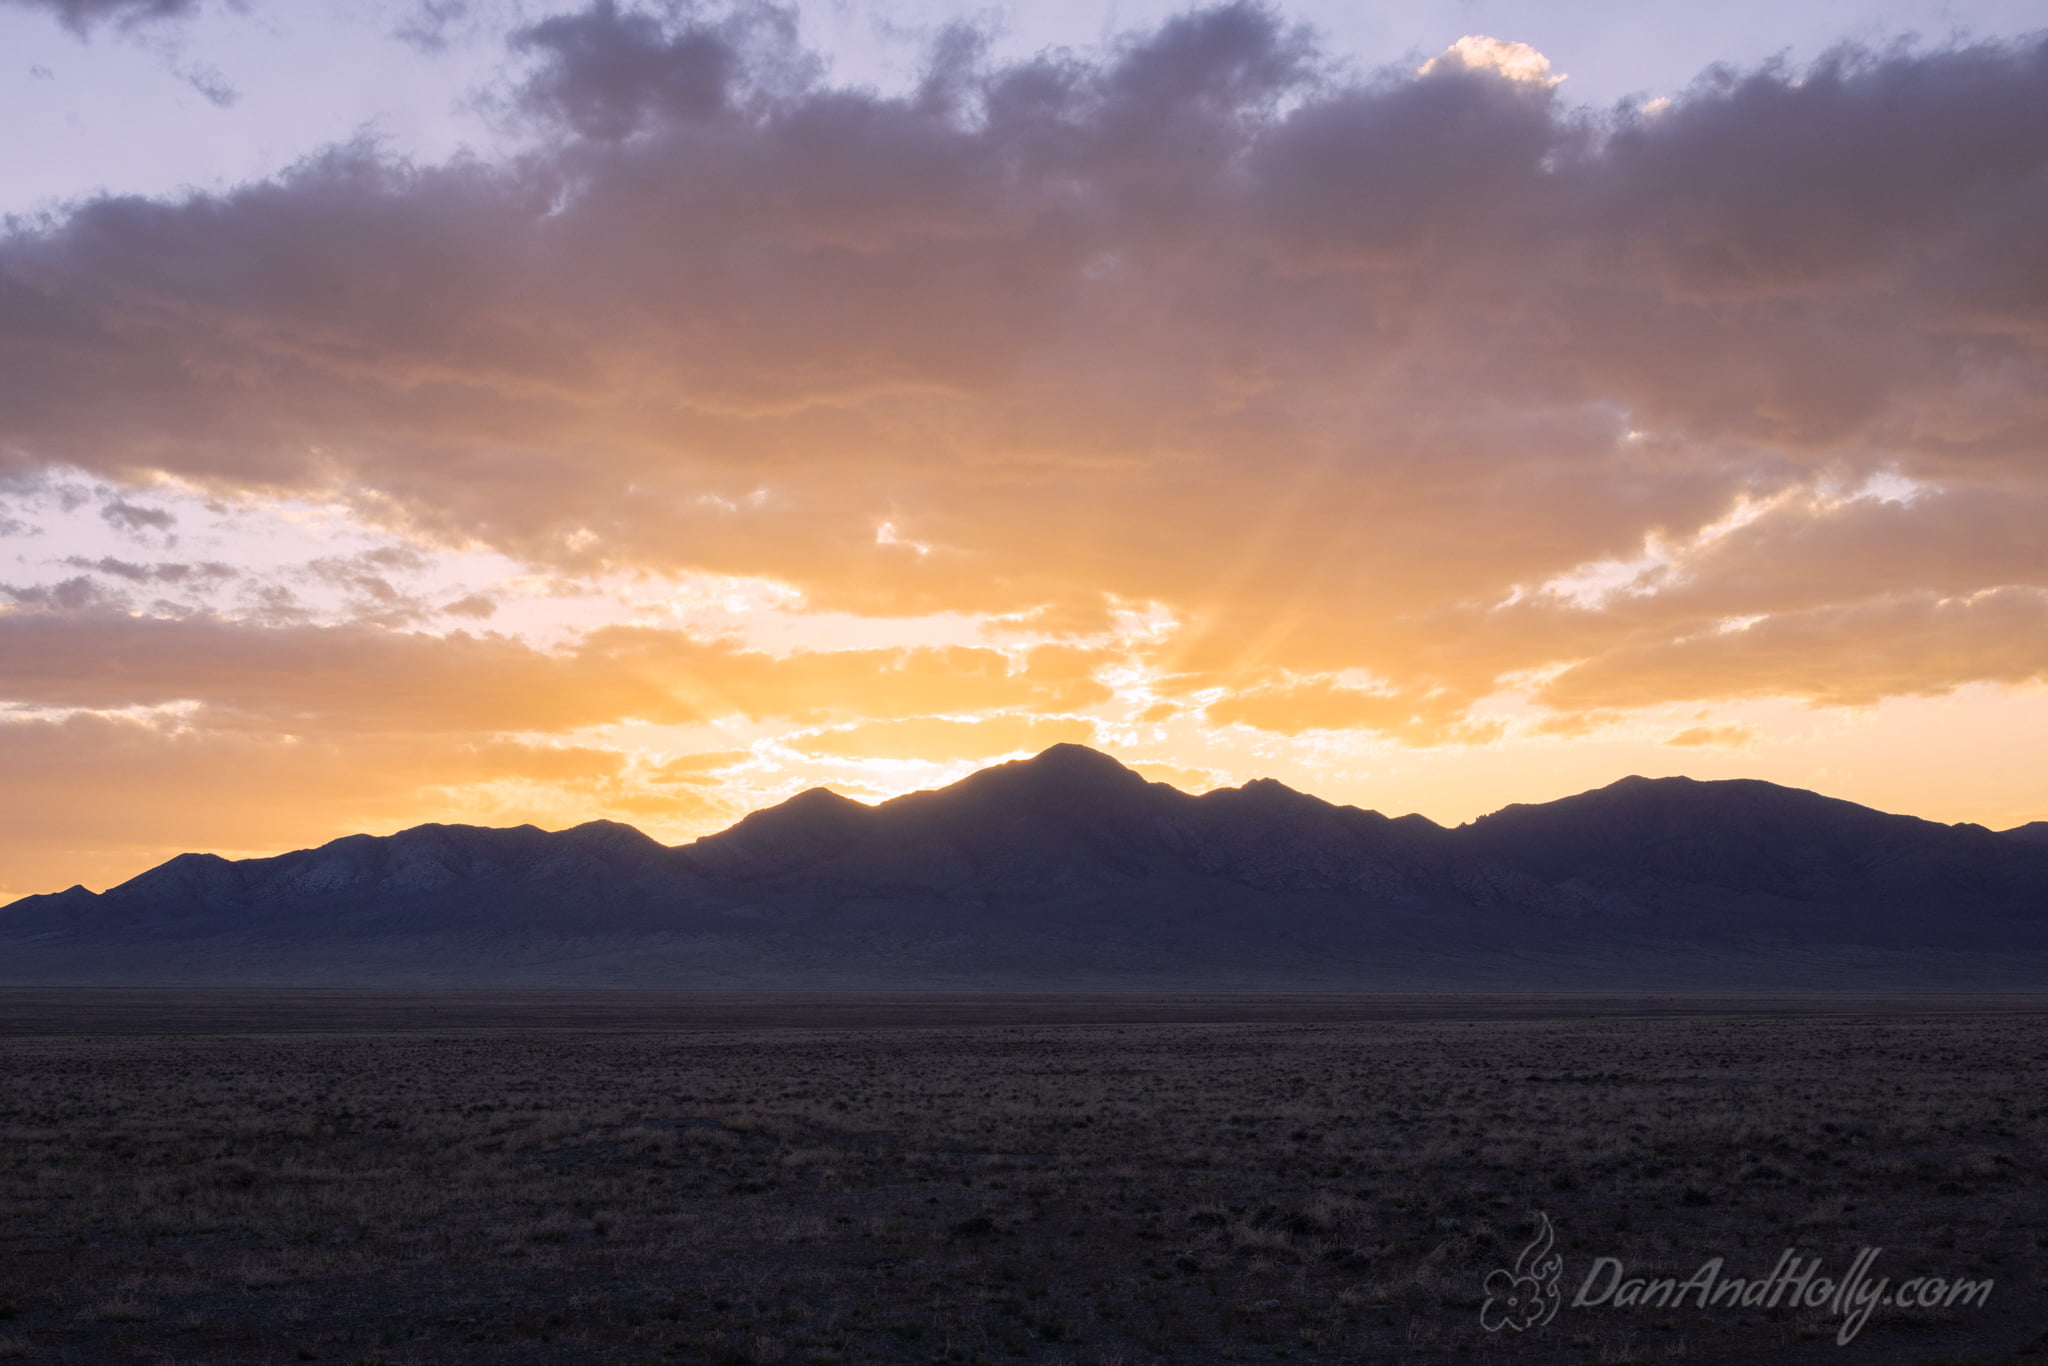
(347, 1177)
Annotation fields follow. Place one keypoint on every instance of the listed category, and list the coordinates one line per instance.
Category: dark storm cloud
(1315, 360)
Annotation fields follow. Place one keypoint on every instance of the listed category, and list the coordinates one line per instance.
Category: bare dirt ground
(503, 1178)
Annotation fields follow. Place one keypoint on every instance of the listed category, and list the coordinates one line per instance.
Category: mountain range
(1069, 871)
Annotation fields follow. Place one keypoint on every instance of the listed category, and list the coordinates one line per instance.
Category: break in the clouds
(1378, 398)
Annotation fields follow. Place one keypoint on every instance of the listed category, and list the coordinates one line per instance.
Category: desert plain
(424, 1178)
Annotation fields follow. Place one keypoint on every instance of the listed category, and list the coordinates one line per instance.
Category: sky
(511, 412)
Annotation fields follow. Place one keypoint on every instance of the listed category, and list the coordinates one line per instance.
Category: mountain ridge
(1068, 868)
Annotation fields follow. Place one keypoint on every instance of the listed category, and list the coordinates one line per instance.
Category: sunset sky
(497, 412)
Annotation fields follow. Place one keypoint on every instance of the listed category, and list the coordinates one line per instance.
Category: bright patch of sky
(72, 541)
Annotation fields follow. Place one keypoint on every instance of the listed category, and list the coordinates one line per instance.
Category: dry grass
(1101, 1194)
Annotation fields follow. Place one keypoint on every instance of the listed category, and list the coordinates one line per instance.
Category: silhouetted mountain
(1070, 870)
(1811, 861)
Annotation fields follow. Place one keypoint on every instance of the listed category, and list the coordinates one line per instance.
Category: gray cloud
(79, 593)
(161, 572)
(82, 16)
(119, 512)
(209, 84)
(434, 25)
(606, 73)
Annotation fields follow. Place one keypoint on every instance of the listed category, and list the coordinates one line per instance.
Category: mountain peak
(819, 799)
(1065, 774)
(610, 836)
(1270, 787)
(813, 825)
(1072, 758)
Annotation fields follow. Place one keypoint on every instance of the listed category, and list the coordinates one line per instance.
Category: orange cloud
(1727, 737)
(1320, 704)
(1847, 656)
(348, 678)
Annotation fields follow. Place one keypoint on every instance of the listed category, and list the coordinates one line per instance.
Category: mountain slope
(1070, 870)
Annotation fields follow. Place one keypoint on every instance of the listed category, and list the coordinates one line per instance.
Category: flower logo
(1528, 1295)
